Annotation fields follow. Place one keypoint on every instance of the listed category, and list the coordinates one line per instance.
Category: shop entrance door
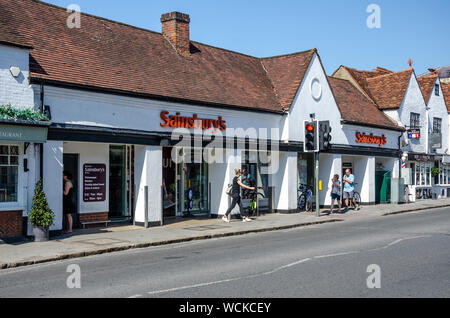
(70, 163)
(121, 166)
(169, 183)
(193, 188)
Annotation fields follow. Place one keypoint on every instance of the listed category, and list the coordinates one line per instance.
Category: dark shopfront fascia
(16, 138)
(175, 197)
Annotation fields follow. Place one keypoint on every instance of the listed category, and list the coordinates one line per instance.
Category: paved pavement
(324, 260)
(106, 240)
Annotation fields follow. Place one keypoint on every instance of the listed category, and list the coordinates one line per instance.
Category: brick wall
(15, 91)
(10, 224)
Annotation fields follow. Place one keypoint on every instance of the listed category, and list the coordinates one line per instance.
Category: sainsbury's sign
(194, 122)
(362, 138)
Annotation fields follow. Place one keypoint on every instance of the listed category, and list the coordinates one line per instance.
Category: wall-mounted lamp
(15, 71)
(25, 165)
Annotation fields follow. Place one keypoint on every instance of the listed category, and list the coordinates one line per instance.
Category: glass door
(193, 188)
(117, 182)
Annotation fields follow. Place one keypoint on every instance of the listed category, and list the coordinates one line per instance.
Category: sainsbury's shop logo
(371, 139)
(194, 122)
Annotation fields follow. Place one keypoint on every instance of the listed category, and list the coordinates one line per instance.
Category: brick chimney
(175, 28)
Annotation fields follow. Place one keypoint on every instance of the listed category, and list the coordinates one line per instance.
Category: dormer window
(436, 89)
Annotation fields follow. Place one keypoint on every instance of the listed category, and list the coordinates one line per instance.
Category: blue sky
(415, 29)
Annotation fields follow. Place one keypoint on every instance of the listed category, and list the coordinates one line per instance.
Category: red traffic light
(309, 127)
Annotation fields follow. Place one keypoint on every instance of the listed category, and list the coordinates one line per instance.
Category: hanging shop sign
(363, 138)
(194, 122)
(414, 134)
(94, 183)
(435, 140)
(420, 157)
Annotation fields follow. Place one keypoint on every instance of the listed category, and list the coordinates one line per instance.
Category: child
(336, 193)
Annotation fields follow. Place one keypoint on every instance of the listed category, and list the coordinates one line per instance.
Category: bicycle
(305, 202)
(356, 196)
(253, 206)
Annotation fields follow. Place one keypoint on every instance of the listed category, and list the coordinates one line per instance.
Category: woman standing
(68, 206)
(236, 195)
(335, 193)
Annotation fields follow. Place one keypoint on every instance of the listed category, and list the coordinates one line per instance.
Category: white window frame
(444, 175)
(423, 171)
(19, 204)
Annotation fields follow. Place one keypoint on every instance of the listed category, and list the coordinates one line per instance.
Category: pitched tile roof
(446, 91)
(357, 108)
(361, 77)
(111, 55)
(286, 73)
(426, 84)
(388, 91)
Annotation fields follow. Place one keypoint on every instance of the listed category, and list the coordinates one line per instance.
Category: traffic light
(324, 135)
(311, 136)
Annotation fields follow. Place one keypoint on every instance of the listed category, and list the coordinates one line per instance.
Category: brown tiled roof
(357, 108)
(110, 55)
(361, 77)
(286, 73)
(426, 84)
(388, 91)
(446, 91)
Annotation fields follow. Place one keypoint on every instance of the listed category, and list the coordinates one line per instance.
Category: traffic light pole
(316, 173)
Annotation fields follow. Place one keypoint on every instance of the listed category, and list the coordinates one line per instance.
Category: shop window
(444, 175)
(9, 170)
(422, 172)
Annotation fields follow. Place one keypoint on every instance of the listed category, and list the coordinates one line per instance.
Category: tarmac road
(411, 250)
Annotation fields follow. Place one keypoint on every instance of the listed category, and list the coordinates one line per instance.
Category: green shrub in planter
(11, 113)
(41, 216)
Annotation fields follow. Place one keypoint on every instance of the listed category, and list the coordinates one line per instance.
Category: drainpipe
(41, 146)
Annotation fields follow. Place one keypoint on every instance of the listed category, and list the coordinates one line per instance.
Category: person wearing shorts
(335, 193)
(349, 188)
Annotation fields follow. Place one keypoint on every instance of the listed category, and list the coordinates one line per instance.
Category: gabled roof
(361, 77)
(112, 56)
(426, 84)
(446, 91)
(388, 91)
(357, 108)
(286, 73)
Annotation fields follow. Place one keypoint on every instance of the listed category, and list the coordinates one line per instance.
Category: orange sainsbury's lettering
(178, 121)
(371, 139)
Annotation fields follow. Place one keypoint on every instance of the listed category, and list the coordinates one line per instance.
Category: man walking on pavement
(349, 188)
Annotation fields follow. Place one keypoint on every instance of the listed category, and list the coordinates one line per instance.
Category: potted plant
(41, 216)
(435, 172)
